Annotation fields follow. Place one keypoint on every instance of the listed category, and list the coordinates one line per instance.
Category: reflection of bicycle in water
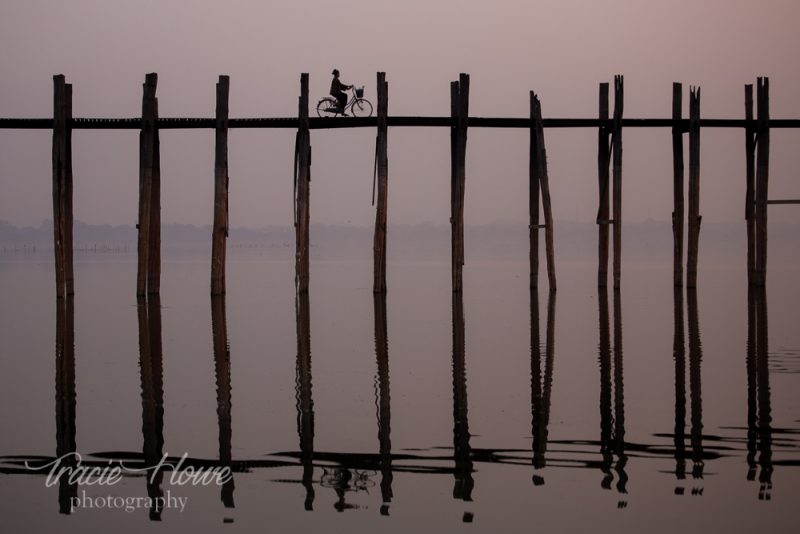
(344, 481)
(358, 105)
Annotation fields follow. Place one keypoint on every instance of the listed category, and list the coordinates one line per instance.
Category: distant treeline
(573, 240)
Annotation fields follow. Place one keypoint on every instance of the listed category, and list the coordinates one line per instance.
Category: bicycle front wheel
(362, 108)
(327, 107)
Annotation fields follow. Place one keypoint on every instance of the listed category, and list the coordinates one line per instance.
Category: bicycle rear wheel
(362, 108)
(327, 107)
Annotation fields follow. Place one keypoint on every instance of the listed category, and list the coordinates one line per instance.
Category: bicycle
(358, 105)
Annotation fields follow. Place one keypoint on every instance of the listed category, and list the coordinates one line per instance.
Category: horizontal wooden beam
(790, 201)
(317, 123)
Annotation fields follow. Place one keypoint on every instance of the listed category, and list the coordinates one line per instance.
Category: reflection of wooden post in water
(695, 383)
(462, 452)
(612, 395)
(222, 367)
(65, 396)
(679, 354)
(62, 185)
(541, 388)
(383, 400)
(759, 408)
(305, 404)
(150, 364)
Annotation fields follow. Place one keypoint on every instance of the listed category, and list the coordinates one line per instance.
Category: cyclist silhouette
(338, 90)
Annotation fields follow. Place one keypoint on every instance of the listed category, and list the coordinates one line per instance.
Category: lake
(504, 410)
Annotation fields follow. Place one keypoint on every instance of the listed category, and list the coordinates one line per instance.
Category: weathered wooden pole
(694, 187)
(533, 205)
(616, 140)
(459, 112)
(540, 168)
(154, 253)
(762, 180)
(62, 186)
(677, 174)
(382, 163)
(147, 143)
(603, 137)
(302, 193)
(220, 230)
(750, 192)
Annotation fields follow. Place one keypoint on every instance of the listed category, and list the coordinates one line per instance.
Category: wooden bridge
(609, 125)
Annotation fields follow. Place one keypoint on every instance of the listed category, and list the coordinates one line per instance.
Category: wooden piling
(762, 180)
(694, 188)
(533, 203)
(382, 163)
(677, 173)
(154, 252)
(62, 186)
(540, 168)
(616, 140)
(459, 114)
(302, 193)
(221, 179)
(750, 191)
(147, 137)
(603, 138)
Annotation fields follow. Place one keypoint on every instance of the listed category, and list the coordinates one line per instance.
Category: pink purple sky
(560, 49)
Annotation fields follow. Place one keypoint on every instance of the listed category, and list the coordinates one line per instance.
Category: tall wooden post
(147, 160)
(154, 253)
(302, 186)
(540, 168)
(379, 245)
(220, 230)
(750, 192)
(459, 112)
(677, 174)
(603, 214)
(762, 180)
(694, 187)
(617, 177)
(62, 186)
(533, 203)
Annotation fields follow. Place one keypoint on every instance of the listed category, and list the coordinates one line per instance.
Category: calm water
(508, 411)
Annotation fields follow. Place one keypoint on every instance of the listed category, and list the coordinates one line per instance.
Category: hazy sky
(561, 49)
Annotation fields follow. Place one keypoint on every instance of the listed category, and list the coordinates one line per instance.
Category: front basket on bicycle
(360, 92)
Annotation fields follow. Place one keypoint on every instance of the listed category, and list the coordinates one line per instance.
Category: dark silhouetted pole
(459, 113)
(302, 189)
(750, 191)
(616, 141)
(62, 185)
(147, 161)
(762, 180)
(603, 214)
(382, 163)
(540, 169)
(220, 231)
(677, 173)
(694, 187)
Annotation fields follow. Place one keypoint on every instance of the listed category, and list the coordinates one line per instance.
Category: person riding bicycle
(338, 90)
